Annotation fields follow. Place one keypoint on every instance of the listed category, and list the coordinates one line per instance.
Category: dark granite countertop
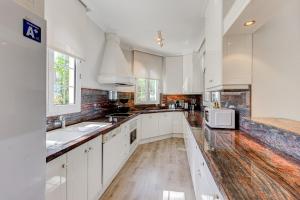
(244, 168)
(56, 151)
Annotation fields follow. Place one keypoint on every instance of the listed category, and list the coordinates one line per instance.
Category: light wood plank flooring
(156, 171)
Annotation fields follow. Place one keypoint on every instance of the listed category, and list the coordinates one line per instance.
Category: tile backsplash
(167, 99)
(94, 104)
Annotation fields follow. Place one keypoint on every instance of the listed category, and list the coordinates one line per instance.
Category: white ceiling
(137, 23)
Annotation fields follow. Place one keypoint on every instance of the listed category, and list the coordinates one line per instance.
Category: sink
(63, 136)
(87, 126)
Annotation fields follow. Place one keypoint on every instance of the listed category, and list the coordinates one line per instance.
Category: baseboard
(162, 137)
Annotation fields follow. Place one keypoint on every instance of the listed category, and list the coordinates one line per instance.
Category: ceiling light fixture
(160, 39)
(249, 23)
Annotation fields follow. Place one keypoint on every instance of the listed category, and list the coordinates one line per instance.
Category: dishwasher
(113, 156)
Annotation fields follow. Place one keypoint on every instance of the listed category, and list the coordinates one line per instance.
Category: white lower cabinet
(159, 124)
(204, 184)
(84, 165)
(165, 123)
(94, 168)
(149, 125)
(176, 118)
(56, 179)
(77, 173)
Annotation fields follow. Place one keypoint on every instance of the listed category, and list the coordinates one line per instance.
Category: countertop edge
(84, 139)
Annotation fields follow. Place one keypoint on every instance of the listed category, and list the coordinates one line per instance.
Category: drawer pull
(86, 151)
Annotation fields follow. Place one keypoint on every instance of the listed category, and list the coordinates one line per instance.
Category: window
(146, 91)
(63, 84)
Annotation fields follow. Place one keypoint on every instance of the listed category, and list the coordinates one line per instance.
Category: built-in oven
(133, 135)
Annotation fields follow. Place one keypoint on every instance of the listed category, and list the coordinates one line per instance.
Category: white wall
(276, 65)
(37, 6)
(71, 31)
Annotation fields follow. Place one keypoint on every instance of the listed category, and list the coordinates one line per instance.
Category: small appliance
(220, 118)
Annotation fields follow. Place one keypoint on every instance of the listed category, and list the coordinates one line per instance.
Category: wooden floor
(156, 171)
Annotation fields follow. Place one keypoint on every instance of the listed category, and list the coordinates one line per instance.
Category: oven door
(133, 134)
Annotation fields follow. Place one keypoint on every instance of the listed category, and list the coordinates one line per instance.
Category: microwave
(219, 118)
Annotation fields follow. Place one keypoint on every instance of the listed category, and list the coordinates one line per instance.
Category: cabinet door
(56, 179)
(209, 186)
(177, 122)
(173, 79)
(214, 44)
(94, 168)
(150, 126)
(77, 173)
(197, 74)
(165, 123)
(112, 155)
(126, 139)
(187, 74)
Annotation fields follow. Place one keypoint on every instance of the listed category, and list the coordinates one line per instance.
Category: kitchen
(129, 100)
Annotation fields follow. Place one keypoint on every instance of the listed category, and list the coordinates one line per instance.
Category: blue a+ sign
(31, 31)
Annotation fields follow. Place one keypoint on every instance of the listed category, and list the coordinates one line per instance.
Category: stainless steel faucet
(62, 120)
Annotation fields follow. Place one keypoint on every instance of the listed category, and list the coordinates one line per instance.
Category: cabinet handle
(90, 148)
(63, 166)
(203, 164)
(86, 151)
(199, 172)
(216, 197)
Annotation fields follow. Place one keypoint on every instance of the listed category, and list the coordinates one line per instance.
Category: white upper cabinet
(187, 73)
(228, 59)
(213, 44)
(183, 75)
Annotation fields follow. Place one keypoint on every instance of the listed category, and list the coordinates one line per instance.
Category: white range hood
(115, 70)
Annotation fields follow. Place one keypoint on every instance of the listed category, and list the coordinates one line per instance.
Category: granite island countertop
(244, 168)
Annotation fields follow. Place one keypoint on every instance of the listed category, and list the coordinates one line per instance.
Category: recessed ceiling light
(250, 23)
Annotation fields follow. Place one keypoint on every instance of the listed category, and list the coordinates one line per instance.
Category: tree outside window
(64, 81)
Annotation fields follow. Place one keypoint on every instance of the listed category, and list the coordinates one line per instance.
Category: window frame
(147, 102)
(52, 108)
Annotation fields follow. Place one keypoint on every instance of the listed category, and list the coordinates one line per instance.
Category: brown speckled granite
(244, 168)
